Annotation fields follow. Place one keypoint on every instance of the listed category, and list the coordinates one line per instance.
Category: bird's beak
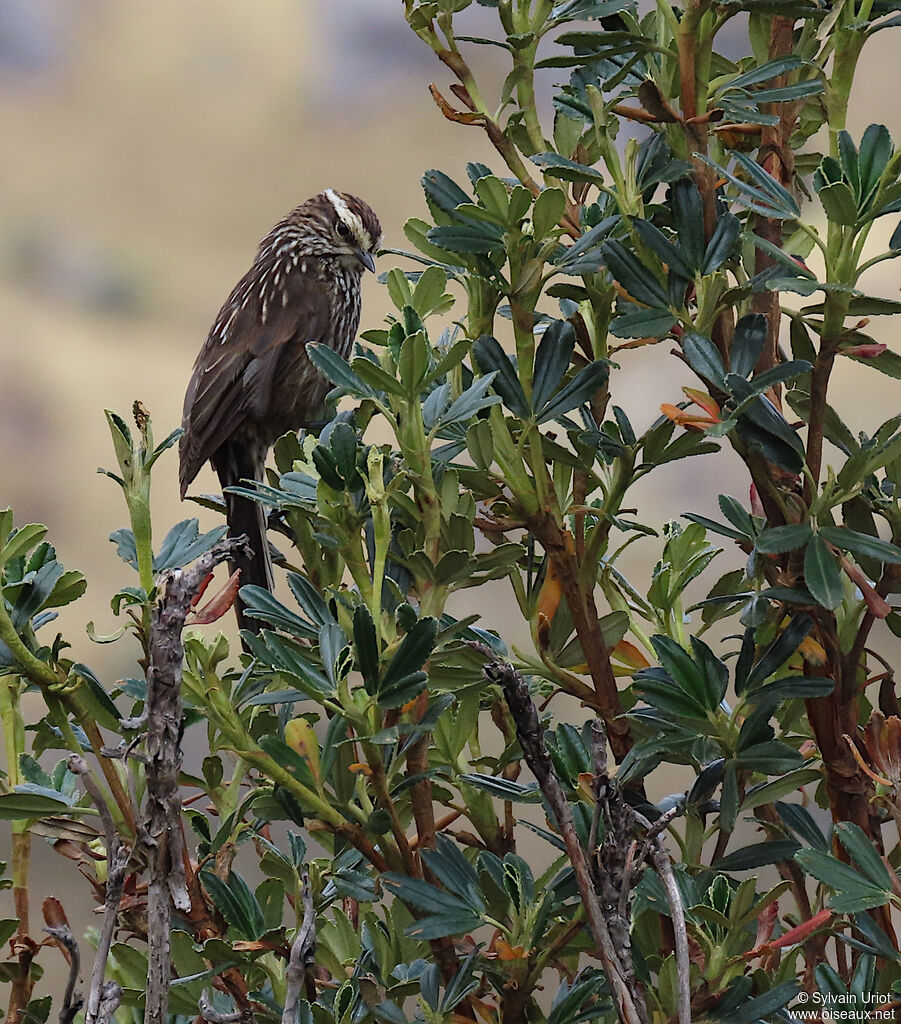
(366, 259)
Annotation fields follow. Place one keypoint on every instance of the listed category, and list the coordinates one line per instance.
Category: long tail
(236, 462)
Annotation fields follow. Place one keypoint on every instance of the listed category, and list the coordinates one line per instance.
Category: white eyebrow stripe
(350, 219)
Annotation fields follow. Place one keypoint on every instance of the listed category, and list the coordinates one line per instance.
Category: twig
(110, 997)
(664, 866)
(302, 950)
(206, 1011)
(72, 1000)
(163, 746)
(117, 858)
(628, 997)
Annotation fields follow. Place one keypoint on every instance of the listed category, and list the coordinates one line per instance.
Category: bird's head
(346, 228)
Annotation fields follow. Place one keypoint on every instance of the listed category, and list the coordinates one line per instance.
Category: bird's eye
(342, 229)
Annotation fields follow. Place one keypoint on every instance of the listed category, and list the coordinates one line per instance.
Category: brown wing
(237, 367)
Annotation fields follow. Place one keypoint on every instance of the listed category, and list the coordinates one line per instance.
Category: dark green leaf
(411, 655)
(465, 238)
(778, 539)
(587, 382)
(779, 651)
(655, 240)
(552, 360)
(757, 855)
(769, 758)
(491, 358)
(822, 574)
(366, 647)
(747, 343)
(236, 903)
(703, 357)
(688, 216)
(863, 854)
(634, 277)
(642, 323)
(337, 370)
(861, 544)
(762, 1007)
(721, 243)
(566, 170)
(853, 891)
(504, 789)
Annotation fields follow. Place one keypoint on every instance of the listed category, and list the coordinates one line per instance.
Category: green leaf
(566, 170)
(262, 605)
(792, 688)
(289, 759)
(548, 209)
(587, 382)
(863, 854)
(642, 323)
(779, 651)
(337, 370)
(634, 276)
(769, 792)
(366, 647)
(839, 203)
(448, 864)
(873, 157)
(472, 401)
(22, 541)
(747, 344)
(443, 192)
(778, 539)
(463, 238)
(861, 544)
(762, 194)
(424, 896)
(236, 903)
(504, 789)
(822, 574)
(757, 855)
(413, 652)
(771, 757)
(762, 1007)
(721, 243)
(491, 358)
(703, 357)
(585, 255)
(552, 360)
(853, 891)
(655, 240)
(23, 804)
(688, 216)
(437, 926)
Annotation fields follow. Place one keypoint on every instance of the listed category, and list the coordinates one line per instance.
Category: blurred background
(148, 147)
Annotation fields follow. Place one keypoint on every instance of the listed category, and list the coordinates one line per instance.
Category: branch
(72, 1000)
(206, 1012)
(117, 858)
(300, 962)
(164, 756)
(664, 867)
(627, 995)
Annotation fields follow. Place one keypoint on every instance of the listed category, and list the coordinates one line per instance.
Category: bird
(253, 380)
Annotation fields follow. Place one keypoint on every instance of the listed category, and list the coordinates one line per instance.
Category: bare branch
(302, 950)
(205, 1008)
(72, 1000)
(626, 993)
(163, 747)
(117, 858)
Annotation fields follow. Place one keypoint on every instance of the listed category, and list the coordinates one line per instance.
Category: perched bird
(253, 380)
